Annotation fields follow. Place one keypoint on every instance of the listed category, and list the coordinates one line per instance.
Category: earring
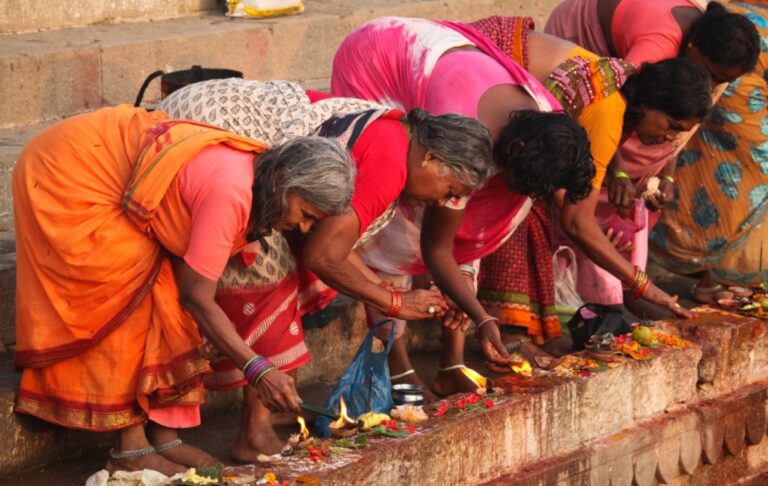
(424, 164)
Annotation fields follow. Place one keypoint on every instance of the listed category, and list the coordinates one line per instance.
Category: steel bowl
(407, 394)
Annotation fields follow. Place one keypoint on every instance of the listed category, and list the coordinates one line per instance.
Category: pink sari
(391, 59)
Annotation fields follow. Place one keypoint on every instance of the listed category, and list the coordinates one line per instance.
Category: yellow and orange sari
(100, 332)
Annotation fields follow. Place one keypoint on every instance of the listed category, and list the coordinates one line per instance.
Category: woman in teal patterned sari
(716, 226)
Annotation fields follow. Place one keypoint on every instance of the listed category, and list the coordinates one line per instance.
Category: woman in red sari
(409, 160)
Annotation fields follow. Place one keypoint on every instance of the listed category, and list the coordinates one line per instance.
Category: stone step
(59, 73)
(50, 75)
(30, 16)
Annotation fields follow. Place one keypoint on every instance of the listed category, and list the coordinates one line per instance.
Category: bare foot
(189, 456)
(450, 382)
(184, 454)
(246, 449)
(414, 379)
(150, 461)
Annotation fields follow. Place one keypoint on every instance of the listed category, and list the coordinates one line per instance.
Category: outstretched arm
(327, 253)
(439, 227)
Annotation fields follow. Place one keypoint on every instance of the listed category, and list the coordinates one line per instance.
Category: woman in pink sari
(420, 63)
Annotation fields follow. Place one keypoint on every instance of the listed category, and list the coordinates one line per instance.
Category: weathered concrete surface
(24, 16)
(735, 350)
(667, 449)
(7, 288)
(544, 419)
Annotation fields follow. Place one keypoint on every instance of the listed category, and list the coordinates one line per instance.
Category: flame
(304, 429)
(343, 417)
(524, 368)
(476, 377)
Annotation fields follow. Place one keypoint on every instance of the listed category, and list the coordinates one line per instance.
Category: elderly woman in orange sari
(124, 221)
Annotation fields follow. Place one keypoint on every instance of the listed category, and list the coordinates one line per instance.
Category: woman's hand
(659, 297)
(418, 303)
(665, 195)
(615, 239)
(277, 391)
(490, 342)
(621, 192)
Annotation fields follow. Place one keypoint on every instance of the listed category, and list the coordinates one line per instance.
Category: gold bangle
(668, 178)
(620, 174)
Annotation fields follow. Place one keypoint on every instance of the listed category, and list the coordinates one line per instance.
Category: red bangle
(643, 287)
(397, 303)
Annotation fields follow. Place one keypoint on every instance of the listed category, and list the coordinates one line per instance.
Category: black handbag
(596, 319)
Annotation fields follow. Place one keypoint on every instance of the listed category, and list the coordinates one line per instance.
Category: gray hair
(463, 144)
(316, 169)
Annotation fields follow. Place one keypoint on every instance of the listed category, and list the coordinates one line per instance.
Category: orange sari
(100, 332)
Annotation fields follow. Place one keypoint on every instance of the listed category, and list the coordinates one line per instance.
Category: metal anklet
(131, 454)
(168, 445)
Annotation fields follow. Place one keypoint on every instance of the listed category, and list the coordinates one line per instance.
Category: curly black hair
(541, 153)
(678, 87)
(725, 38)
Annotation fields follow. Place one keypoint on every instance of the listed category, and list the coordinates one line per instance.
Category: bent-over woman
(447, 67)
(411, 160)
(613, 102)
(125, 221)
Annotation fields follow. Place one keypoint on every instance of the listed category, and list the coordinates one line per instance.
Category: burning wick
(524, 368)
(343, 419)
(484, 385)
(304, 429)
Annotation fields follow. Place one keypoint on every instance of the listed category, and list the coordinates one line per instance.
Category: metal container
(407, 394)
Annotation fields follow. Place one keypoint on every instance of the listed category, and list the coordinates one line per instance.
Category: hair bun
(417, 116)
(715, 8)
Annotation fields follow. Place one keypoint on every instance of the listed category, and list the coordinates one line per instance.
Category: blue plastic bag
(365, 384)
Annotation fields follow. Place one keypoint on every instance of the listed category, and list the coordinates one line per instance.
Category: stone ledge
(735, 350)
(544, 419)
(678, 448)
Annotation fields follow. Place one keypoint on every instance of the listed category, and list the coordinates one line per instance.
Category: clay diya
(484, 385)
(729, 304)
(740, 292)
(343, 426)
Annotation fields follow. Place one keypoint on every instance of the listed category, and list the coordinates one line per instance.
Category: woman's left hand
(665, 195)
(490, 342)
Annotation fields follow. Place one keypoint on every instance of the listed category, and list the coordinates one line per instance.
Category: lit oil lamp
(343, 426)
(524, 368)
(300, 440)
(484, 385)
(304, 430)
